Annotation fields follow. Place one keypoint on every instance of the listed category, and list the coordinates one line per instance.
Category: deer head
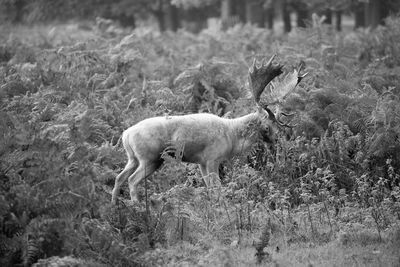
(262, 76)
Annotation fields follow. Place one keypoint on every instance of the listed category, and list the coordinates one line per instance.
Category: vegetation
(192, 15)
(330, 195)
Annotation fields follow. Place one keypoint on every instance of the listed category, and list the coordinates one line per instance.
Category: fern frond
(342, 71)
(60, 207)
(96, 80)
(31, 251)
(382, 142)
(68, 261)
(263, 242)
(361, 125)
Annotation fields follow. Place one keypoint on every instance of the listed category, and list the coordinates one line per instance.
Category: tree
(194, 13)
(338, 24)
(367, 13)
(270, 13)
(172, 17)
(255, 13)
(330, 9)
(302, 13)
(287, 24)
(359, 15)
(226, 10)
(374, 13)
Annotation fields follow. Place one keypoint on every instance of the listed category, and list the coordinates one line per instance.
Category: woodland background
(75, 74)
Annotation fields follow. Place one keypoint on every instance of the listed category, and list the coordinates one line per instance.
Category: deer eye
(265, 130)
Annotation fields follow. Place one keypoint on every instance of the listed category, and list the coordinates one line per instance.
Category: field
(329, 196)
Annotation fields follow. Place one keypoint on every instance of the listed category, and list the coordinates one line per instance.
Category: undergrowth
(64, 105)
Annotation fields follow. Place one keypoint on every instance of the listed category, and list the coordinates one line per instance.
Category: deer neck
(243, 132)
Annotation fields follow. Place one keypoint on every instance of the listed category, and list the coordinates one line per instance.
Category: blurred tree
(255, 13)
(367, 13)
(240, 9)
(371, 13)
(126, 12)
(195, 13)
(328, 16)
(9, 11)
(171, 14)
(359, 16)
(302, 11)
(286, 9)
(374, 12)
(226, 12)
(157, 8)
(172, 17)
(122, 11)
(338, 24)
(269, 6)
(330, 9)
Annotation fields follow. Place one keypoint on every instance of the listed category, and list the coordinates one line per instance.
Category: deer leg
(204, 174)
(120, 179)
(144, 170)
(213, 173)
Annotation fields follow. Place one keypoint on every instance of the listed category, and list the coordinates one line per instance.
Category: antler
(279, 90)
(261, 76)
(275, 119)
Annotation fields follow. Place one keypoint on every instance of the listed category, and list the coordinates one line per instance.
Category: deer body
(203, 138)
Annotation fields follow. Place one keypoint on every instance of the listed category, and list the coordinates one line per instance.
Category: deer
(206, 139)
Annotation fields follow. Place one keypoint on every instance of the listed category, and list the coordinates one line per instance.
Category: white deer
(202, 138)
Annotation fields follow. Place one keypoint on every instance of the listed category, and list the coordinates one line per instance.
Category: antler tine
(263, 62)
(270, 60)
(275, 119)
(288, 114)
(299, 78)
(300, 67)
(253, 66)
(260, 77)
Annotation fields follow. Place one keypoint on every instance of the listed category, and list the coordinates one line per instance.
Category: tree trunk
(160, 20)
(226, 9)
(172, 17)
(373, 13)
(328, 16)
(158, 12)
(269, 13)
(286, 16)
(248, 12)
(338, 23)
(226, 13)
(359, 16)
(125, 20)
(240, 9)
(19, 6)
(195, 19)
(302, 15)
(259, 14)
(255, 13)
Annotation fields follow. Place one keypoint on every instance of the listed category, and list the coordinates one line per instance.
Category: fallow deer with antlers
(205, 139)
